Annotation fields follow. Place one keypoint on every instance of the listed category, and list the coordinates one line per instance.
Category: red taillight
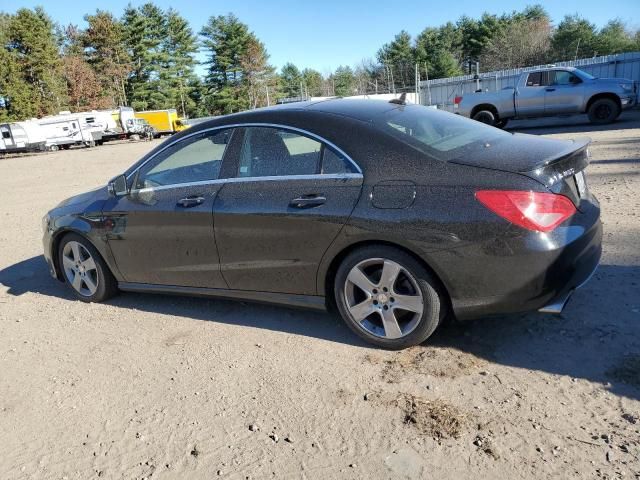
(531, 210)
(457, 99)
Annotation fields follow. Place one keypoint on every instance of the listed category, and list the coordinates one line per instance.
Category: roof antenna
(400, 101)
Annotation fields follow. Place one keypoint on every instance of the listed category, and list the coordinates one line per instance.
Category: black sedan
(394, 215)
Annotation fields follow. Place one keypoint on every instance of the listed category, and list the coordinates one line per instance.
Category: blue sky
(327, 33)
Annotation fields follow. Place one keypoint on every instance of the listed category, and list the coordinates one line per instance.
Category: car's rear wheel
(485, 116)
(84, 270)
(387, 297)
(603, 111)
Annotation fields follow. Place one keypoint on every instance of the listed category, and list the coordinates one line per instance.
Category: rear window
(441, 135)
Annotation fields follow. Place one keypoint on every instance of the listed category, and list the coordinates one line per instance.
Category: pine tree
(104, 49)
(178, 50)
(144, 29)
(290, 81)
(225, 40)
(36, 84)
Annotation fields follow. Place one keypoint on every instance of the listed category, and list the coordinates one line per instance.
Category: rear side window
(441, 135)
(268, 152)
(537, 79)
(333, 163)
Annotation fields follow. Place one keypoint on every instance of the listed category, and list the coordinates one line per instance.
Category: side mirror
(118, 186)
(575, 80)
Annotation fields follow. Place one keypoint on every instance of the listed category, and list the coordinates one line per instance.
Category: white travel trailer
(22, 137)
(65, 130)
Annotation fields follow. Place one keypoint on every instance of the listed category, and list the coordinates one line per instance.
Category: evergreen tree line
(147, 59)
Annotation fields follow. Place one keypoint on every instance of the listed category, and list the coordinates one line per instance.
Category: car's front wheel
(84, 270)
(387, 297)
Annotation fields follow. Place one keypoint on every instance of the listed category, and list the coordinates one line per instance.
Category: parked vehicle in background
(550, 92)
(66, 130)
(22, 137)
(123, 122)
(163, 121)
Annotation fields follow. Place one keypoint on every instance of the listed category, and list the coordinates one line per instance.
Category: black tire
(433, 299)
(485, 116)
(501, 123)
(107, 286)
(602, 111)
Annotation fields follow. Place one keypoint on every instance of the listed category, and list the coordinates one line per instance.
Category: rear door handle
(308, 201)
(550, 89)
(191, 201)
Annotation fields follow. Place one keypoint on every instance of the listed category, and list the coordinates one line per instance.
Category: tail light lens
(536, 211)
(457, 99)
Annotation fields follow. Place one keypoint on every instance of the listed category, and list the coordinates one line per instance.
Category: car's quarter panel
(266, 243)
(156, 240)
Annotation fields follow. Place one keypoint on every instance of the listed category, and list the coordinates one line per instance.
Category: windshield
(583, 75)
(439, 134)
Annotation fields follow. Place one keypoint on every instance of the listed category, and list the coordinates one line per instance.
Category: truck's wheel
(485, 116)
(603, 111)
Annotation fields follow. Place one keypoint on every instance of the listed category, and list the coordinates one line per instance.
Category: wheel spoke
(89, 264)
(68, 263)
(359, 279)
(362, 310)
(390, 272)
(412, 303)
(75, 248)
(391, 327)
(77, 281)
(89, 283)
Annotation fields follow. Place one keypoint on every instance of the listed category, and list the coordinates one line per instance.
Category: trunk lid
(557, 164)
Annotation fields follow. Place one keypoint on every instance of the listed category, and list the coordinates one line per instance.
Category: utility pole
(268, 102)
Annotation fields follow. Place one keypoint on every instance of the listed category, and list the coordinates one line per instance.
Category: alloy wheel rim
(80, 268)
(383, 298)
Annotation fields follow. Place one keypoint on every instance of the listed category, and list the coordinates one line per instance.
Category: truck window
(562, 77)
(537, 79)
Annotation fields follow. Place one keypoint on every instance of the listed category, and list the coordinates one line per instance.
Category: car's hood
(613, 80)
(91, 200)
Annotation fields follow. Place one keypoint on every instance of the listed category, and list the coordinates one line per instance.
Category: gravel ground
(166, 387)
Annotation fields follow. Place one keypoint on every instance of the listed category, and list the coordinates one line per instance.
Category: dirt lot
(163, 387)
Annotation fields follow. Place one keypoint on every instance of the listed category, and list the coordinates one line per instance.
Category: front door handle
(551, 89)
(190, 201)
(308, 201)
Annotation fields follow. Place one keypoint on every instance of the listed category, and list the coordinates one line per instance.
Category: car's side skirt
(303, 301)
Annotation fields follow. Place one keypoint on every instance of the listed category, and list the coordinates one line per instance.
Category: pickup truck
(549, 92)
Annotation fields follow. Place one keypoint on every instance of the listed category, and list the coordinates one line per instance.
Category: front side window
(268, 151)
(562, 77)
(194, 159)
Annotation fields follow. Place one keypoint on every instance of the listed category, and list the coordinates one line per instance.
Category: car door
(564, 94)
(162, 232)
(292, 194)
(530, 98)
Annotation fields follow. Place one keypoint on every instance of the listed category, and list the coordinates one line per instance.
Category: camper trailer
(25, 136)
(63, 131)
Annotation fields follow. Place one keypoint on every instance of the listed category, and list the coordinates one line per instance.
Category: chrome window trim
(277, 178)
(254, 124)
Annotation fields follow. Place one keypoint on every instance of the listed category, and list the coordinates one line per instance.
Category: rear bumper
(534, 271)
